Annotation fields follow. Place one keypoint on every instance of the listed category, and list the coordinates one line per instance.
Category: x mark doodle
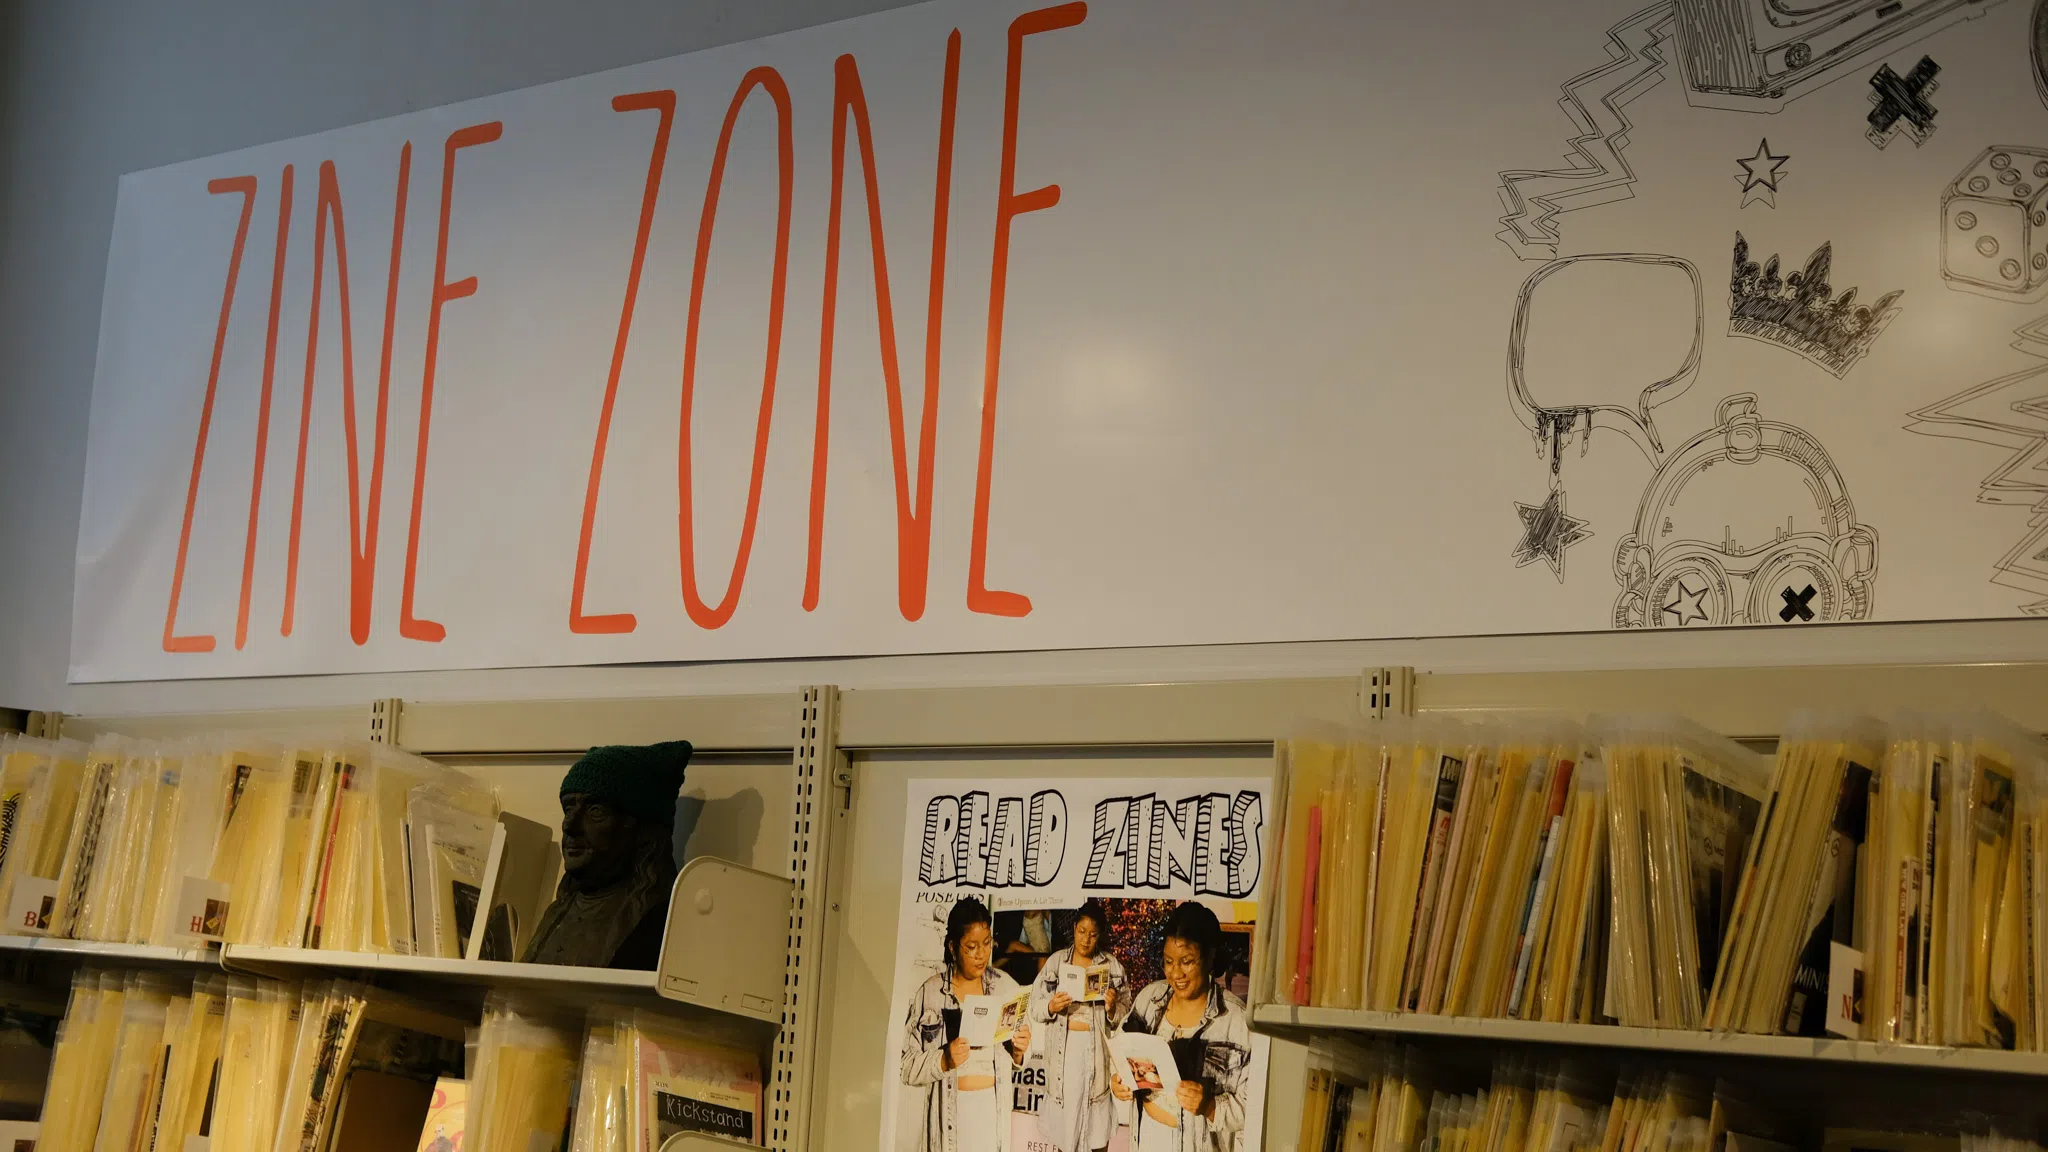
(1796, 605)
(1900, 102)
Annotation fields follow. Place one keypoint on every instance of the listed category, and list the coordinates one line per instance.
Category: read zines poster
(1049, 932)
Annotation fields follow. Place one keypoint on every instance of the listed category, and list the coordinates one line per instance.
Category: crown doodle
(1799, 312)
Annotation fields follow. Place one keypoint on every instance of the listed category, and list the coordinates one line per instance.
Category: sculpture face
(597, 842)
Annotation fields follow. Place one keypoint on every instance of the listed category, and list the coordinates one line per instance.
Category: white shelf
(480, 973)
(1298, 1022)
(304, 962)
(94, 950)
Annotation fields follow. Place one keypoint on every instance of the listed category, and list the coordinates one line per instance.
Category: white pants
(977, 1115)
(1154, 1135)
(1085, 1122)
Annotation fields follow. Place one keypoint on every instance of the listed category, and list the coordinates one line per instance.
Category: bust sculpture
(618, 859)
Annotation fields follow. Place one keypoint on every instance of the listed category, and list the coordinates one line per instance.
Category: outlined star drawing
(1686, 604)
(1547, 532)
(1761, 175)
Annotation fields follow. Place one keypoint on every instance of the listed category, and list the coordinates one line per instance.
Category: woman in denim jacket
(1076, 1115)
(1207, 1113)
(967, 1090)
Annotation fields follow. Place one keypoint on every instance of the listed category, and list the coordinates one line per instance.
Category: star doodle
(1761, 175)
(1689, 606)
(1547, 532)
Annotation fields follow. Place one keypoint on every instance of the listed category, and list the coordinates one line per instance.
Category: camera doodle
(1759, 55)
(1744, 55)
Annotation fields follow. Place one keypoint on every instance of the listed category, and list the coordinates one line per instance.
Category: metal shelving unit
(821, 770)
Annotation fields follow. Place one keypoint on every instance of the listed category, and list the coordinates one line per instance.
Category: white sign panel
(978, 326)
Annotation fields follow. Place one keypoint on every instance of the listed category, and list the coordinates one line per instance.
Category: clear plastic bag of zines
(1646, 872)
(1439, 867)
(232, 840)
(1388, 1097)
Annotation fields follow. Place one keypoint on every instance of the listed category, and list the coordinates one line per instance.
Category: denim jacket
(924, 1053)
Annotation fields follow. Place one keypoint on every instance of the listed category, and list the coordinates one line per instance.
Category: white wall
(90, 89)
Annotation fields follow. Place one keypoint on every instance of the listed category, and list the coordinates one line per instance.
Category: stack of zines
(145, 1060)
(1440, 868)
(1387, 1098)
(323, 845)
(1648, 873)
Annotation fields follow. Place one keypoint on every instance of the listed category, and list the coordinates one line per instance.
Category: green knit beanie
(640, 781)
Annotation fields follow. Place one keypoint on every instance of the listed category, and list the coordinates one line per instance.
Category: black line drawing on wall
(1546, 532)
(1745, 55)
(1749, 522)
(1555, 425)
(1596, 173)
(1994, 225)
(2010, 414)
(1761, 174)
(1903, 103)
(1547, 529)
(1703, 552)
(2040, 49)
(1798, 312)
(1759, 55)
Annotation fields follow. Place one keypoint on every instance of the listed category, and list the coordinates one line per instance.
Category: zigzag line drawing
(2011, 414)
(1598, 172)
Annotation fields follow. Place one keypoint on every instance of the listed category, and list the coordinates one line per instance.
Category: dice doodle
(1994, 225)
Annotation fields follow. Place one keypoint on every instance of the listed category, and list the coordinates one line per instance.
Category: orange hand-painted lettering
(362, 541)
(284, 235)
(411, 626)
(913, 521)
(707, 616)
(246, 185)
(1010, 204)
(665, 103)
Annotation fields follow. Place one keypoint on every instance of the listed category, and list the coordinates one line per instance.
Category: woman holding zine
(1081, 995)
(967, 1087)
(1209, 1033)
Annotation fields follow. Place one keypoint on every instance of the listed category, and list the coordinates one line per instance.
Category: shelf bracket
(384, 717)
(723, 921)
(1385, 692)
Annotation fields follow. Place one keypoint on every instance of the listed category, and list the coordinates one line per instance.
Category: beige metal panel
(1749, 702)
(1286, 1077)
(867, 889)
(348, 723)
(1227, 712)
(712, 723)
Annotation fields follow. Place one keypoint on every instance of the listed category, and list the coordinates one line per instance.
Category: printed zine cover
(697, 1086)
(445, 1117)
(1031, 852)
